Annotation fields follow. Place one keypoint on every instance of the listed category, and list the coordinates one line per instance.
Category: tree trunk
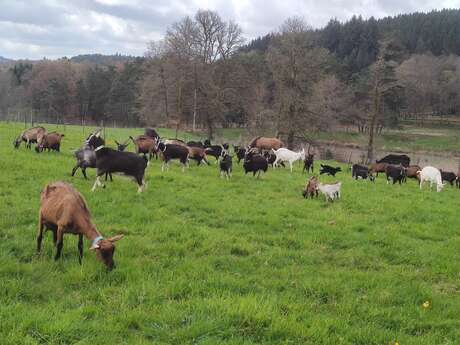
(290, 140)
(370, 146)
(194, 98)
(209, 127)
(165, 90)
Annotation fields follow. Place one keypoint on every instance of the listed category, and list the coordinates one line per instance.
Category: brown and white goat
(63, 210)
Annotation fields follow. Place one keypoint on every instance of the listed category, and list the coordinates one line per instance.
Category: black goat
(173, 151)
(122, 147)
(152, 133)
(449, 177)
(327, 169)
(226, 166)
(255, 163)
(109, 161)
(361, 171)
(404, 160)
(308, 163)
(396, 173)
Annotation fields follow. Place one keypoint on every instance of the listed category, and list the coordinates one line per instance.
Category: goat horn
(115, 238)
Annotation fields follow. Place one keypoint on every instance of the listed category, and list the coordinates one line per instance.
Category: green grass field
(245, 261)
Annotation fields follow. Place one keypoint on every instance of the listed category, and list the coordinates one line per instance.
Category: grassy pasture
(245, 261)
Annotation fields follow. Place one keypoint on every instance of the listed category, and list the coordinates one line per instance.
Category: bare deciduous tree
(296, 64)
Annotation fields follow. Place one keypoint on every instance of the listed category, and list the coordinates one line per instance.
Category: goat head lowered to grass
(63, 210)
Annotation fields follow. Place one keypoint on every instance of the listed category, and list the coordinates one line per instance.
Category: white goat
(432, 175)
(285, 155)
(330, 191)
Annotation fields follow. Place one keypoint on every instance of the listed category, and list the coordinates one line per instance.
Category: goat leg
(83, 170)
(97, 183)
(40, 233)
(80, 248)
(59, 243)
(74, 170)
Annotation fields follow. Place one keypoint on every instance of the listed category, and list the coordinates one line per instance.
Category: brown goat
(29, 136)
(197, 154)
(145, 145)
(411, 171)
(311, 188)
(377, 168)
(49, 141)
(175, 142)
(63, 210)
(264, 143)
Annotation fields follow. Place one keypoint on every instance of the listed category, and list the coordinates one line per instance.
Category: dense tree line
(363, 74)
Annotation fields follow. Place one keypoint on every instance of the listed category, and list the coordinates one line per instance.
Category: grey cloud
(34, 29)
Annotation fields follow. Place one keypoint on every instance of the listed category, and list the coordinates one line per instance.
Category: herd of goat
(64, 210)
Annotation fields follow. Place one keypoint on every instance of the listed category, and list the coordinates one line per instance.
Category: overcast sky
(55, 28)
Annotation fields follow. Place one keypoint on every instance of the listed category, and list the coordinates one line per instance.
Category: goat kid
(226, 166)
(330, 191)
(311, 188)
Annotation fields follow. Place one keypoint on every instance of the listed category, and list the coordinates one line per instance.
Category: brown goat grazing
(311, 188)
(264, 143)
(411, 171)
(377, 168)
(29, 136)
(145, 145)
(63, 210)
(197, 154)
(50, 141)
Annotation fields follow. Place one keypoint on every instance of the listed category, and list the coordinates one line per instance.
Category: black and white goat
(112, 161)
(329, 170)
(169, 152)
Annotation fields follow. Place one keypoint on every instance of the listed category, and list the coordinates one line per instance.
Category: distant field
(245, 261)
(407, 139)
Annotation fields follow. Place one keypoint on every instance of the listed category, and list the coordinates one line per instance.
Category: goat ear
(116, 142)
(115, 238)
(94, 247)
